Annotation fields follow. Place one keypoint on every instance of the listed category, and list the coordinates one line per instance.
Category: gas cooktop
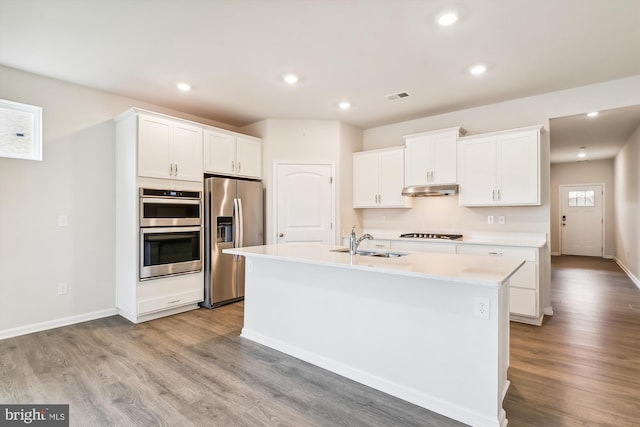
(432, 236)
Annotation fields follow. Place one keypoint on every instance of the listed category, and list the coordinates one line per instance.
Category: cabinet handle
(239, 166)
(495, 253)
(176, 169)
(499, 196)
(493, 195)
(175, 301)
(233, 166)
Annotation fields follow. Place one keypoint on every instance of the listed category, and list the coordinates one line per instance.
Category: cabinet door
(154, 147)
(444, 158)
(413, 246)
(365, 180)
(417, 170)
(518, 166)
(391, 179)
(187, 152)
(477, 177)
(249, 157)
(219, 153)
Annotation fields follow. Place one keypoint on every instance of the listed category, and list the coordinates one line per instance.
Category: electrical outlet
(63, 288)
(63, 220)
(482, 308)
(490, 219)
(501, 219)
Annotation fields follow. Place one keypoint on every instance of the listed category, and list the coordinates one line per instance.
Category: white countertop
(531, 240)
(480, 270)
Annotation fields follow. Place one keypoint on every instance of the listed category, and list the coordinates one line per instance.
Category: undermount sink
(373, 253)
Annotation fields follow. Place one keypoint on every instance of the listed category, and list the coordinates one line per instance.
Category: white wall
(311, 141)
(75, 178)
(445, 215)
(627, 207)
(588, 172)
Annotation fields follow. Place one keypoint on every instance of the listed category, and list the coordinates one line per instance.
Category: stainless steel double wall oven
(170, 232)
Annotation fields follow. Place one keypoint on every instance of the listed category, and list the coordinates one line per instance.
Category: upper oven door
(164, 212)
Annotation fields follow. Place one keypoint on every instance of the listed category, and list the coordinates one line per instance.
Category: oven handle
(158, 200)
(156, 230)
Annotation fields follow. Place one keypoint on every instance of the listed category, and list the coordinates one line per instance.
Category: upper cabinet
(501, 168)
(232, 154)
(378, 179)
(431, 157)
(168, 148)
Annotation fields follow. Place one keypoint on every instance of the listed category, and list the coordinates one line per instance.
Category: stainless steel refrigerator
(233, 218)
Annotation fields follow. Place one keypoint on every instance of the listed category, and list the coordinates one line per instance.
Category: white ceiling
(602, 136)
(234, 52)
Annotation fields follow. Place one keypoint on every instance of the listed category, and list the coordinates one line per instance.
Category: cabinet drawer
(523, 301)
(410, 246)
(169, 301)
(528, 254)
(525, 277)
(375, 244)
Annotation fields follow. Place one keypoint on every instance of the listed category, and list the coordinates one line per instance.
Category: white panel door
(477, 171)
(581, 220)
(304, 203)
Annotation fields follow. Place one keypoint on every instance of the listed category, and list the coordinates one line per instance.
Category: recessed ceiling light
(447, 18)
(344, 105)
(592, 114)
(582, 153)
(478, 69)
(291, 79)
(184, 87)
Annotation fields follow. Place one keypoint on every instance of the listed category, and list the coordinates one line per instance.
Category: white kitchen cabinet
(231, 154)
(431, 157)
(524, 289)
(501, 168)
(152, 151)
(378, 179)
(169, 148)
(423, 246)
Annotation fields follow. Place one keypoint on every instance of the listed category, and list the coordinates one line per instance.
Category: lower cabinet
(413, 246)
(524, 284)
(166, 302)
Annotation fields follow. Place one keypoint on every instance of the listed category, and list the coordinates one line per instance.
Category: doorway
(582, 219)
(304, 195)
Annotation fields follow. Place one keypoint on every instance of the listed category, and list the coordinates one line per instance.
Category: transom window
(582, 198)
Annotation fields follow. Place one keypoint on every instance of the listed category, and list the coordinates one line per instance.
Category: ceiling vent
(395, 96)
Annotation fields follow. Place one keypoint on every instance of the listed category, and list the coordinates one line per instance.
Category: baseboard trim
(556, 254)
(52, 324)
(628, 272)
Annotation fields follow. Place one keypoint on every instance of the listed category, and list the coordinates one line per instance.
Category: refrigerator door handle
(241, 223)
(236, 228)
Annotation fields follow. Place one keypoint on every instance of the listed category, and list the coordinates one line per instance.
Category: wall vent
(395, 96)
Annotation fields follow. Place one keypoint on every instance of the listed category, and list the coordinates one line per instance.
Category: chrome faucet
(354, 241)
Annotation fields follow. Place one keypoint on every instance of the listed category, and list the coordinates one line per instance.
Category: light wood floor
(581, 368)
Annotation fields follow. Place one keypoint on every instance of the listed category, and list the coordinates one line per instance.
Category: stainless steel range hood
(430, 190)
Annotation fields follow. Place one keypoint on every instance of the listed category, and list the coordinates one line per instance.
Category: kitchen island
(429, 328)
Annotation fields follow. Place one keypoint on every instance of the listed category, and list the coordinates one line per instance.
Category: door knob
(281, 235)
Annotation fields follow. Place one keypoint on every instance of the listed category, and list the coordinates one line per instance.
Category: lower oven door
(166, 251)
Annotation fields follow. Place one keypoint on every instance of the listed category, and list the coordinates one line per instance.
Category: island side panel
(414, 338)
